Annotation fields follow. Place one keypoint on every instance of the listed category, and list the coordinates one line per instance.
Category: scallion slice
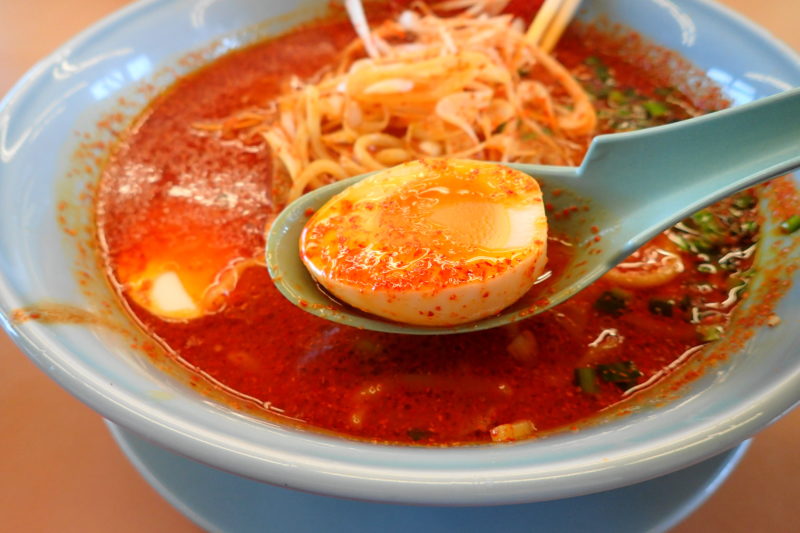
(612, 302)
(709, 333)
(660, 307)
(586, 379)
(655, 108)
(791, 224)
(622, 373)
(744, 201)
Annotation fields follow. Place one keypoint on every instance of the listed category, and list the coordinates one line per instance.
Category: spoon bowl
(630, 187)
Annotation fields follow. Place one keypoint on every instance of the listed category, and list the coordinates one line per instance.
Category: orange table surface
(61, 471)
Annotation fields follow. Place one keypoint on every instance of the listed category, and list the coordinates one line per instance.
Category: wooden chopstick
(550, 22)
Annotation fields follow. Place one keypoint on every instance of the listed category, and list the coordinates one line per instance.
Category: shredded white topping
(468, 85)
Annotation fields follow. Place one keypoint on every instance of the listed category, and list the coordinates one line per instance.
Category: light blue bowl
(83, 80)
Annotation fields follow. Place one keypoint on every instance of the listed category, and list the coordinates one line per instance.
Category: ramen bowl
(56, 128)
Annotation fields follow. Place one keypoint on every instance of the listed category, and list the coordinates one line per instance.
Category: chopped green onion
(528, 135)
(623, 373)
(500, 127)
(586, 379)
(706, 222)
(664, 91)
(791, 224)
(749, 226)
(703, 246)
(749, 273)
(709, 333)
(660, 307)
(734, 282)
(695, 245)
(612, 302)
(617, 97)
(416, 434)
(744, 201)
(706, 268)
(655, 108)
(681, 243)
(600, 69)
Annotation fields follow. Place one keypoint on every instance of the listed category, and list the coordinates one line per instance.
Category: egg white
(521, 229)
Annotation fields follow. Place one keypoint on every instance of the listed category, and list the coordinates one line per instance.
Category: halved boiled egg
(175, 275)
(431, 242)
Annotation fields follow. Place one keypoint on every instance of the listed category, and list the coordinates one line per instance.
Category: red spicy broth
(201, 203)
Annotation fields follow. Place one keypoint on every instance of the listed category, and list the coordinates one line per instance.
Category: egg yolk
(430, 242)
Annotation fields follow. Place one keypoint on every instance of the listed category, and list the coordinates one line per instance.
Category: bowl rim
(384, 472)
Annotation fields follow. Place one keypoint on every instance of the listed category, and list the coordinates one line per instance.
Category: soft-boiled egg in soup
(432, 242)
(182, 272)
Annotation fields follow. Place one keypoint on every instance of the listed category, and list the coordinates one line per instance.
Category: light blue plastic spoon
(633, 186)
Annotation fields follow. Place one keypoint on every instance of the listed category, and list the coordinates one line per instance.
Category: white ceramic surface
(81, 81)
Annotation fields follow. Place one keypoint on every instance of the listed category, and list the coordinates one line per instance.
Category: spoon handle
(681, 167)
